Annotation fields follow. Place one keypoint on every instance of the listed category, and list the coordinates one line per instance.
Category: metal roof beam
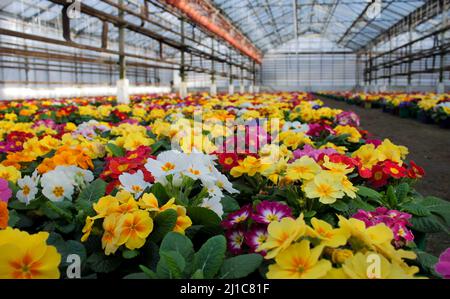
(422, 14)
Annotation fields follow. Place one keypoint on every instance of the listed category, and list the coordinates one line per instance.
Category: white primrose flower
(79, 176)
(223, 183)
(28, 189)
(295, 126)
(166, 163)
(56, 187)
(214, 204)
(134, 183)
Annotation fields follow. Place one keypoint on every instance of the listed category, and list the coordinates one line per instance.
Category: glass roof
(267, 23)
(349, 23)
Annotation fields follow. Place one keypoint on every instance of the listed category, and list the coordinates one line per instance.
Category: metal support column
(123, 83)
(183, 83)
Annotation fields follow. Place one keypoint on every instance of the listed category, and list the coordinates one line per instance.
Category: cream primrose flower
(28, 189)
(56, 186)
(134, 183)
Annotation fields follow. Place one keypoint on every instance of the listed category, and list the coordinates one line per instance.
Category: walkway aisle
(429, 147)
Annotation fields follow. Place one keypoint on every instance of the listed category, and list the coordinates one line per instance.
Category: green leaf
(136, 276)
(101, 263)
(150, 274)
(160, 145)
(229, 204)
(91, 194)
(416, 209)
(240, 266)
(20, 206)
(204, 216)
(66, 248)
(210, 256)
(359, 204)
(198, 275)
(171, 265)
(391, 197)
(309, 214)
(177, 242)
(160, 193)
(116, 150)
(58, 210)
(437, 206)
(14, 218)
(402, 191)
(130, 254)
(164, 223)
(428, 224)
(340, 206)
(427, 262)
(369, 193)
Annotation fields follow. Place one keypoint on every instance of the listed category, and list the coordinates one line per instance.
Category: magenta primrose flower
(256, 236)
(237, 217)
(235, 240)
(269, 211)
(443, 266)
(348, 118)
(397, 221)
(309, 151)
(5, 191)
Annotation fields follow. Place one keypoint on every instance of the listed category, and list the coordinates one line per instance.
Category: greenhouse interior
(225, 139)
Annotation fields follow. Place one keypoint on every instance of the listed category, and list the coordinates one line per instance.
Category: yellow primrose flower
(149, 202)
(157, 114)
(358, 267)
(106, 205)
(9, 173)
(370, 237)
(132, 229)
(293, 140)
(281, 234)
(336, 168)
(367, 155)
(109, 235)
(340, 149)
(339, 256)
(327, 234)
(299, 261)
(11, 116)
(27, 256)
(275, 170)
(161, 128)
(304, 168)
(183, 221)
(389, 151)
(325, 186)
(133, 140)
(355, 136)
(70, 127)
(87, 229)
(250, 166)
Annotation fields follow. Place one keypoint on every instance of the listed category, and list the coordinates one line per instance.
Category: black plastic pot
(404, 112)
(423, 117)
(445, 123)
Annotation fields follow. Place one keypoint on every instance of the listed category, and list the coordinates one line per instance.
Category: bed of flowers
(425, 107)
(261, 186)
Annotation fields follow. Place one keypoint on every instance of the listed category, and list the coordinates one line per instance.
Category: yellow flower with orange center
(27, 256)
(132, 229)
